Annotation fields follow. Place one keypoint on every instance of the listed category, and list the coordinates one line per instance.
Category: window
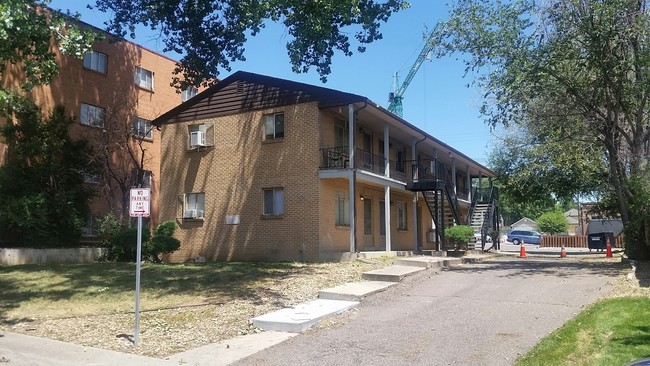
(92, 226)
(274, 202)
(142, 128)
(401, 215)
(91, 115)
(274, 126)
(144, 78)
(146, 178)
(188, 93)
(95, 61)
(382, 218)
(92, 178)
(194, 206)
(342, 209)
(200, 135)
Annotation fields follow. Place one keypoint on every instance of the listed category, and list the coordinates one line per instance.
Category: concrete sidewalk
(18, 349)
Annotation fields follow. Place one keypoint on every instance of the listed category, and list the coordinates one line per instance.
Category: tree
(44, 200)
(211, 33)
(26, 32)
(573, 74)
(553, 222)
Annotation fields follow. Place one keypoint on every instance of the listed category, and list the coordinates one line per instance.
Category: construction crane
(395, 97)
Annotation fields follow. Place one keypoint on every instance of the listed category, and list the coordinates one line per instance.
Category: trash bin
(598, 241)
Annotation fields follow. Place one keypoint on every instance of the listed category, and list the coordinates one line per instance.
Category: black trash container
(598, 241)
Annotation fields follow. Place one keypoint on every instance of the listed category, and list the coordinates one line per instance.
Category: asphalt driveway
(477, 314)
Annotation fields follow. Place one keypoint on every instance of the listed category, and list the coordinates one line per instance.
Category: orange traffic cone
(608, 249)
(563, 252)
(522, 250)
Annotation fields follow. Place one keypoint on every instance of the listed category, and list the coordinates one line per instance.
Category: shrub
(123, 245)
(163, 241)
(459, 235)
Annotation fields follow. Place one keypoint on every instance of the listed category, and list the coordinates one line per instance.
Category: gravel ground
(169, 331)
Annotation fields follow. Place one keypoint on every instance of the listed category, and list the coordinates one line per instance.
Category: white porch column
(386, 151)
(414, 206)
(352, 178)
(387, 217)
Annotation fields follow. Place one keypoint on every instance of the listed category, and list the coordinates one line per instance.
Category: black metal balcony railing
(339, 158)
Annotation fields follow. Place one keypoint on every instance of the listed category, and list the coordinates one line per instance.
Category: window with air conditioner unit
(201, 135)
(193, 205)
(197, 138)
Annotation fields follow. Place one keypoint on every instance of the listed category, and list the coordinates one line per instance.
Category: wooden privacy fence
(574, 241)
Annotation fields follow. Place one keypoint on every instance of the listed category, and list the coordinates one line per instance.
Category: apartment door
(368, 237)
(382, 223)
(382, 162)
(367, 150)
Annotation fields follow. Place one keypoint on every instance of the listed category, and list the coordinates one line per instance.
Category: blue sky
(437, 100)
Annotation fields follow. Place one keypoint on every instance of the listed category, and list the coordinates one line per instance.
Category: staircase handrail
(489, 213)
(472, 206)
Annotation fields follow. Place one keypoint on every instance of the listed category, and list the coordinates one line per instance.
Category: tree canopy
(209, 34)
(44, 201)
(575, 76)
(26, 32)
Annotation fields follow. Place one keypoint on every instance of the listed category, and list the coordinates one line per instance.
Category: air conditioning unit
(197, 138)
(193, 214)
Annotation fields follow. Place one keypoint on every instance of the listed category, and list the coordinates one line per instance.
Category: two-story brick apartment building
(114, 92)
(260, 168)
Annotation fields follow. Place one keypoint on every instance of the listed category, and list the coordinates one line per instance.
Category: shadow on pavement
(549, 266)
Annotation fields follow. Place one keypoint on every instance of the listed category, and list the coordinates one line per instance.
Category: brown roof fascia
(255, 92)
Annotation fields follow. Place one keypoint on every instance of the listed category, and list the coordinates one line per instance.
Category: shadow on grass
(222, 281)
(641, 337)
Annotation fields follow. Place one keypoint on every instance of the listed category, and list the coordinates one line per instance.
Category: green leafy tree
(572, 75)
(211, 33)
(553, 222)
(44, 200)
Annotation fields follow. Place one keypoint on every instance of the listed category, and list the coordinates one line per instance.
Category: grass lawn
(610, 332)
(71, 290)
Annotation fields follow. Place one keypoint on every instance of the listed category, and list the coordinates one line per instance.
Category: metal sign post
(139, 207)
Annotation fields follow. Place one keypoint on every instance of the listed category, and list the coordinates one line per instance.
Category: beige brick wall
(233, 173)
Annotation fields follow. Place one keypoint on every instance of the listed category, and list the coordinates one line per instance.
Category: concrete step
(428, 262)
(391, 274)
(354, 291)
(302, 316)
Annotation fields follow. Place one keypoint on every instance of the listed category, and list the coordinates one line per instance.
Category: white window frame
(271, 123)
(194, 201)
(91, 115)
(342, 209)
(402, 216)
(189, 93)
(146, 178)
(273, 202)
(142, 128)
(91, 178)
(144, 78)
(91, 229)
(96, 61)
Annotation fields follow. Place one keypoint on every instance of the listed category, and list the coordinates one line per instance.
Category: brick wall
(233, 174)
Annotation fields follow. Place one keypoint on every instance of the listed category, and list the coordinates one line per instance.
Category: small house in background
(573, 217)
(594, 222)
(524, 224)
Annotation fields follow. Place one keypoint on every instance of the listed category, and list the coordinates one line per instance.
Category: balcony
(338, 158)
